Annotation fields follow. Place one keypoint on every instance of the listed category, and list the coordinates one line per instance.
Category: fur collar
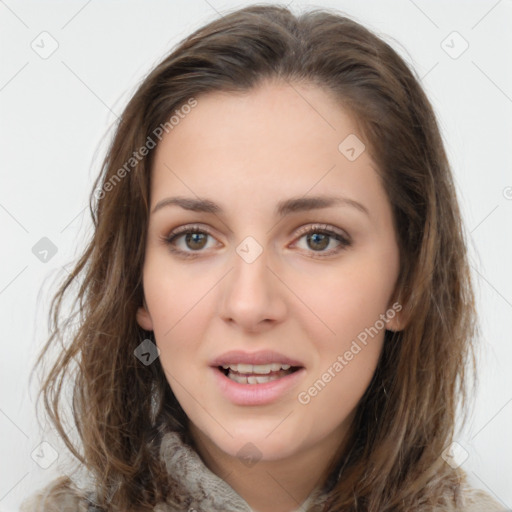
(197, 489)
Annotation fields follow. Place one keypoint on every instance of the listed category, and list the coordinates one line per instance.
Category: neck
(277, 485)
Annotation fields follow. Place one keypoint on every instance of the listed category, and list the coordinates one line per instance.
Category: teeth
(261, 369)
(261, 380)
(238, 378)
(251, 379)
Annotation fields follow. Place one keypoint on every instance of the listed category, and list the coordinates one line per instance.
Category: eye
(194, 238)
(319, 236)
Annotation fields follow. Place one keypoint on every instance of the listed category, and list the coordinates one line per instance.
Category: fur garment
(197, 489)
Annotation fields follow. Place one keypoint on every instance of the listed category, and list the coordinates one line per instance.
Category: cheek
(348, 338)
(343, 303)
(331, 397)
(179, 306)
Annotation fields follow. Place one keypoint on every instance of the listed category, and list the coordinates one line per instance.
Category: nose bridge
(250, 261)
(251, 291)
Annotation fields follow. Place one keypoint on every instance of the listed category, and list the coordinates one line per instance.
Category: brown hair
(406, 418)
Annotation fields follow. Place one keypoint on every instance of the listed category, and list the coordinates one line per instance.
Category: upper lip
(254, 358)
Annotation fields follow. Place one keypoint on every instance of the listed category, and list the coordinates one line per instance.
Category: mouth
(256, 378)
(251, 374)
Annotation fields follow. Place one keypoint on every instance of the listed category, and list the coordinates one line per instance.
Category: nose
(252, 294)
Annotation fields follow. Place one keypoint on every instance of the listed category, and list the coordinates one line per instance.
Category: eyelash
(323, 229)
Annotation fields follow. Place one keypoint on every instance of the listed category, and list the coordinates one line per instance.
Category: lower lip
(256, 394)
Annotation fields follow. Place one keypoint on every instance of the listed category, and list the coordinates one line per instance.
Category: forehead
(276, 140)
(281, 115)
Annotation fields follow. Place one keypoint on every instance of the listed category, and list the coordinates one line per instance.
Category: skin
(247, 152)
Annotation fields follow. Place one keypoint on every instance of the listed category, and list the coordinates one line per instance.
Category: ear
(395, 318)
(144, 318)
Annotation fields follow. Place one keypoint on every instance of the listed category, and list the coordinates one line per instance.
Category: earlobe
(394, 324)
(395, 318)
(144, 319)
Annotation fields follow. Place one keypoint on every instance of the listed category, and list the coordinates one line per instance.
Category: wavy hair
(406, 417)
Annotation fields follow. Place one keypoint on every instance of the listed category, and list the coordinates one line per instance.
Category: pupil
(194, 238)
(316, 237)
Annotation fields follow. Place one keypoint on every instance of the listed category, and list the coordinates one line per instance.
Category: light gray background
(55, 118)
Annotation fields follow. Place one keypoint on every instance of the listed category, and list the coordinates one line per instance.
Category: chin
(254, 440)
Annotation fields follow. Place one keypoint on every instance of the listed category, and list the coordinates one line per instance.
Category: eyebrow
(292, 205)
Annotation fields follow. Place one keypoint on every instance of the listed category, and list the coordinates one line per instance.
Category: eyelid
(301, 231)
(323, 227)
(189, 227)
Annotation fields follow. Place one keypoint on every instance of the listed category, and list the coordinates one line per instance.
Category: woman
(275, 307)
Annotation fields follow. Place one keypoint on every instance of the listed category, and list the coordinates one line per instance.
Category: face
(269, 307)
